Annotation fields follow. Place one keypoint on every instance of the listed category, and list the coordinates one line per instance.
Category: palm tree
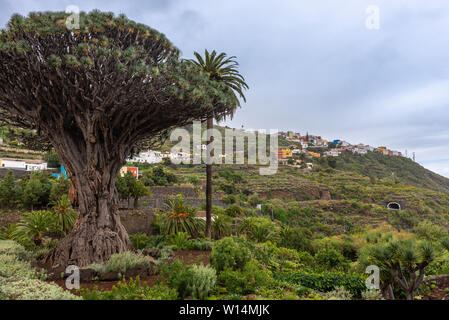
(220, 68)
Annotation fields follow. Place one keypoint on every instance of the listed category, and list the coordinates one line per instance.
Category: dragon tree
(96, 93)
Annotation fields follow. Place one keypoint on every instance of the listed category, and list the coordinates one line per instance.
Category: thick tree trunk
(210, 125)
(98, 232)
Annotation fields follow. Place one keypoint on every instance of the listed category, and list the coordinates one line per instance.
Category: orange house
(133, 170)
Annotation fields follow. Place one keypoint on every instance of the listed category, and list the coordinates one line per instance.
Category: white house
(149, 156)
(179, 157)
(10, 164)
(36, 166)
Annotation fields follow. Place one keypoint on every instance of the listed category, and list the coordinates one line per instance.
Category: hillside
(394, 168)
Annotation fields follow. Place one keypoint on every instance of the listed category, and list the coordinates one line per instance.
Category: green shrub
(121, 262)
(229, 199)
(221, 226)
(296, 238)
(234, 211)
(139, 241)
(190, 280)
(229, 253)
(19, 281)
(180, 240)
(131, 290)
(331, 260)
(325, 282)
(339, 293)
(201, 281)
(245, 281)
(200, 244)
(260, 229)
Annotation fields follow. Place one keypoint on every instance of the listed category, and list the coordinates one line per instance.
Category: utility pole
(414, 159)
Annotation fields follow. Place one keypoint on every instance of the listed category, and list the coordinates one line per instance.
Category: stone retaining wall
(441, 280)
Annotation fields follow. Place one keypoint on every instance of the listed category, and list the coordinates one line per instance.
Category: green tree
(222, 69)
(52, 159)
(125, 187)
(37, 190)
(95, 94)
(402, 264)
(8, 190)
(139, 190)
(60, 187)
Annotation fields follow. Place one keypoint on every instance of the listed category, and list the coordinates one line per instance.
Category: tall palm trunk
(208, 234)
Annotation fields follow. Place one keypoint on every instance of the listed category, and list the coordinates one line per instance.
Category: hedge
(325, 282)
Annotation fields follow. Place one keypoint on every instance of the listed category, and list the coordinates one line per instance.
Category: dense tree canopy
(95, 93)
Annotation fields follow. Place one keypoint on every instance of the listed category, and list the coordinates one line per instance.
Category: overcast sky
(314, 66)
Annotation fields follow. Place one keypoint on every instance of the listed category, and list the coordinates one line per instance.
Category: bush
(245, 281)
(339, 293)
(296, 238)
(325, 282)
(190, 280)
(427, 230)
(229, 253)
(132, 290)
(180, 240)
(201, 282)
(254, 200)
(121, 262)
(139, 241)
(200, 244)
(234, 211)
(19, 281)
(260, 229)
(331, 260)
(221, 226)
(229, 199)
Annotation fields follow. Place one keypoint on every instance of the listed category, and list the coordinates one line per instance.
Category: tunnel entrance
(394, 206)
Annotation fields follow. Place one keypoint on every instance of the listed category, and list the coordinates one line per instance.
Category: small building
(10, 164)
(202, 215)
(133, 170)
(284, 153)
(314, 154)
(36, 166)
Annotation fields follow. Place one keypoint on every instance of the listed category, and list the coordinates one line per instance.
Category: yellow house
(284, 153)
(314, 154)
(382, 149)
